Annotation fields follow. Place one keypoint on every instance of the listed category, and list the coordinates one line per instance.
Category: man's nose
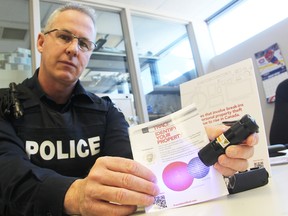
(73, 47)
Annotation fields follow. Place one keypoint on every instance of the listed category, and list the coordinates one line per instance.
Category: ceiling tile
(186, 9)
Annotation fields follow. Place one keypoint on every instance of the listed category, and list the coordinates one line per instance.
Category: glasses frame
(74, 36)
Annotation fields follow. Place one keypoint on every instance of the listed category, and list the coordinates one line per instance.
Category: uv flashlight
(238, 132)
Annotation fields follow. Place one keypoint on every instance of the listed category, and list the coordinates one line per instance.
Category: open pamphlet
(169, 147)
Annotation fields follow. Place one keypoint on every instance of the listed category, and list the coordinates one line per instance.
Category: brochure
(226, 95)
(169, 147)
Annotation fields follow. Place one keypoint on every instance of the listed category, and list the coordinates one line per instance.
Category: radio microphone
(15, 103)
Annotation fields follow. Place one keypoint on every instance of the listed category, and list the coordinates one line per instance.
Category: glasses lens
(64, 37)
(85, 44)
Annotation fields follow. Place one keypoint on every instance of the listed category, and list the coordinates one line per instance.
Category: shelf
(166, 90)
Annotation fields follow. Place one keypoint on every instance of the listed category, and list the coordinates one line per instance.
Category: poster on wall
(272, 69)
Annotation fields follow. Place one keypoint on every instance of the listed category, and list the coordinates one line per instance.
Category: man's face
(65, 62)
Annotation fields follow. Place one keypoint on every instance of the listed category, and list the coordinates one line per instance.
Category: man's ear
(40, 42)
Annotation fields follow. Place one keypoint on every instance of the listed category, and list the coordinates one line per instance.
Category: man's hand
(114, 186)
(236, 156)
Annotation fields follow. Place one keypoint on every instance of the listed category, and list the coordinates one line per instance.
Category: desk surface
(268, 200)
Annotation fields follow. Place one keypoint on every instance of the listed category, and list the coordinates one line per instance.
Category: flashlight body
(237, 133)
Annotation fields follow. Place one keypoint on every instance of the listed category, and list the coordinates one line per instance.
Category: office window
(15, 53)
(166, 61)
(243, 20)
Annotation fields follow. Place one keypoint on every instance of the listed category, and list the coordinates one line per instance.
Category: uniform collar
(78, 90)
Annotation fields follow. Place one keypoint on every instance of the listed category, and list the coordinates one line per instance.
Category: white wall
(276, 34)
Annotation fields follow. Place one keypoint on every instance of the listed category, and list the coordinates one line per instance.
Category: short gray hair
(71, 6)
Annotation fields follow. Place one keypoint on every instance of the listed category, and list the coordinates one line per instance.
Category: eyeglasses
(65, 37)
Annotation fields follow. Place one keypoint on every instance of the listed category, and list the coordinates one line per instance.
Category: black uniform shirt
(51, 145)
(279, 125)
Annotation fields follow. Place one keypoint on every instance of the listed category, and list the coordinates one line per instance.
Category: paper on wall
(226, 95)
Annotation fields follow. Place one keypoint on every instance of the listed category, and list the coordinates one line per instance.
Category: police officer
(67, 151)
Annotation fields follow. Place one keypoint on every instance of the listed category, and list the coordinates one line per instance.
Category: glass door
(166, 61)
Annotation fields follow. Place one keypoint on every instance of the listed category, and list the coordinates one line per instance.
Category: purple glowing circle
(197, 169)
(176, 176)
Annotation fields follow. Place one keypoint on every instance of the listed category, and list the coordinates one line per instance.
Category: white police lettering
(72, 149)
(94, 145)
(60, 154)
(48, 150)
(81, 145)
(31, 148)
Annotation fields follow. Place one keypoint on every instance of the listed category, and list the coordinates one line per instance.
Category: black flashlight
(238, 132)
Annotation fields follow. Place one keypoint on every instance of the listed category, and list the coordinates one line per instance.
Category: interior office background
(139, 54)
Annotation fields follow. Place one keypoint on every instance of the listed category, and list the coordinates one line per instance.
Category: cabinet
(107, 73)
(15, 66)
